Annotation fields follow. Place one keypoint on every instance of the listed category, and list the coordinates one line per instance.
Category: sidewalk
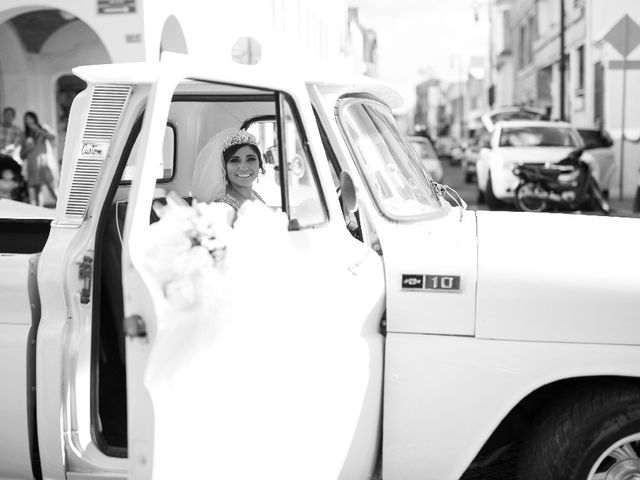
(622, 208)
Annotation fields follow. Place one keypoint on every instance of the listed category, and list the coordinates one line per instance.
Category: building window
(506, 31)
(530, 38)
(533, 26)
(580, 65)
(598, 93)
(521, 47)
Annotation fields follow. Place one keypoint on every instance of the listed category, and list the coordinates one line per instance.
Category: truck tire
(492, 201)
(592, 435)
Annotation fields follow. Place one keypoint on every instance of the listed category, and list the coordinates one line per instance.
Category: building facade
(526, 69)
(612, 94)
(428, 115)
(42, 40)
(501, 70)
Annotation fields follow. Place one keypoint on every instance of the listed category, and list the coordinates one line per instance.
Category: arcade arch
(39, 49)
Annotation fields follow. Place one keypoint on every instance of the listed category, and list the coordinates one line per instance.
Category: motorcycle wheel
(526, 200)
(599, 201)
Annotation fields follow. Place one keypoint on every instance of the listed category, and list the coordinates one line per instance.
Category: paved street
(469, 192)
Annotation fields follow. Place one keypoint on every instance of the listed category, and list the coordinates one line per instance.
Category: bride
(227, 167)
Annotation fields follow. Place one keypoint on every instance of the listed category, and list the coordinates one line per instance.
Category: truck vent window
(107, 104)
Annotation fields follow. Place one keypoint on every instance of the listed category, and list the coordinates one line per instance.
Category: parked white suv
(409, 340)
(518, 142)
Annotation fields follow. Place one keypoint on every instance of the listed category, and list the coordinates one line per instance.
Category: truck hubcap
(619, 462)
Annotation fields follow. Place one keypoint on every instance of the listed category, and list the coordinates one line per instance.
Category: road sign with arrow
(624, 36)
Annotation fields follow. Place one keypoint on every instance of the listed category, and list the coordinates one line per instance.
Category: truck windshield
(400, 186)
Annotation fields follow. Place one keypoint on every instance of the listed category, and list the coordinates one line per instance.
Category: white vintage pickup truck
(439, 344)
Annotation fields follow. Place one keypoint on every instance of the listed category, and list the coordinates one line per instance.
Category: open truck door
(281, 373)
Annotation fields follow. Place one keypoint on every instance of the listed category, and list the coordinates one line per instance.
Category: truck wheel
(592, 436)
(492, 201)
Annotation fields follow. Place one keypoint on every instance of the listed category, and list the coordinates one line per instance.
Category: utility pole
(562, 65)
(461, 98)
(491, 99)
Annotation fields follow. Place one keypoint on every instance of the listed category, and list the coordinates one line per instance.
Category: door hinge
(85, 272)
(135, 327)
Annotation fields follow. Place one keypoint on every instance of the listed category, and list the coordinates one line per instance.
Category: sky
(420, 39)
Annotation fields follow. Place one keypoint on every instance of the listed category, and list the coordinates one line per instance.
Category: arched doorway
(40, 47)
(67, 86)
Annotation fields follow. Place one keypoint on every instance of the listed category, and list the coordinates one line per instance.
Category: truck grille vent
(107, 104)
(85, 178)
(104, 113)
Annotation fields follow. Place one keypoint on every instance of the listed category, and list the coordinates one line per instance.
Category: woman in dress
(40, 164)
(227, 167)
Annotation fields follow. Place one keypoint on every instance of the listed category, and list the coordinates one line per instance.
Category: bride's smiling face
(243, 167)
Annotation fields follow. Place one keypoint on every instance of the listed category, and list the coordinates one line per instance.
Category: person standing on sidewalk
(10, 135)
(40, 163)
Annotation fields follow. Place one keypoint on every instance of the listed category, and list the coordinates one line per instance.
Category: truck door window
(305, 202)
(306, 206)
(166, 164)
(268, 185)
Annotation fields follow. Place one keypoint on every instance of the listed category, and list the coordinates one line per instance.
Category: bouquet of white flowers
(184, 247)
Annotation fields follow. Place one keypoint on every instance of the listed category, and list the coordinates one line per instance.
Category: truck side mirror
(348, 198)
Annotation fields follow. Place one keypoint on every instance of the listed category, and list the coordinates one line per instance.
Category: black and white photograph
(320, 240)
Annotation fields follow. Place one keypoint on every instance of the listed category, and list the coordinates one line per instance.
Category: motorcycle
(565, 185)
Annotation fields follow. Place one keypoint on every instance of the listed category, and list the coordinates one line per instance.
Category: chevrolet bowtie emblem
(412, 281)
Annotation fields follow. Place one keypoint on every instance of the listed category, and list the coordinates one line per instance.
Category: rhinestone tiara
(241, 137)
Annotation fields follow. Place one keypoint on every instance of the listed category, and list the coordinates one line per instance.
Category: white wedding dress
(241, 345)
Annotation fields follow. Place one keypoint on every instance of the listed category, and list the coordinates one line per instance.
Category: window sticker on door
(446, 283)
